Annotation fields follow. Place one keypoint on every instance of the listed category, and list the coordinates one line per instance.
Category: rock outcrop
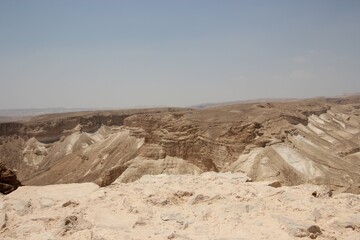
(8, 180)
(307, 141)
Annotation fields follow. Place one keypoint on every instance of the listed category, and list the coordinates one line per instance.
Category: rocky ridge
(307, 141)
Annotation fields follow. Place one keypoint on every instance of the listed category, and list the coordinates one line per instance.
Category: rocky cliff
(309, 141)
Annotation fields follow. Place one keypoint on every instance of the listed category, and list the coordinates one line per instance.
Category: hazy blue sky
(155, 53)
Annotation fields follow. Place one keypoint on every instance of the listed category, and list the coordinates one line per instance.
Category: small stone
(324, 192)
(248, 180)
(70, 203)
(275, 184)
(70, 221)
(350, 226)
(181, 194)
(314, 229)
(3, 219)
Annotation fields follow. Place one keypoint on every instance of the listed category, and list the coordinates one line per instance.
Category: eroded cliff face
(310, 141)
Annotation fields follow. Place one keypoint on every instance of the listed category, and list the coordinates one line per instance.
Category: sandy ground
(208, 206)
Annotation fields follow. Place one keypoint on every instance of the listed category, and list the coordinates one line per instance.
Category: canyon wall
(307, 141)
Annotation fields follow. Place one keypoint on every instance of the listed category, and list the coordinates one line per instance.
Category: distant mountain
(258, 100)
(16, 113)
(342, 97)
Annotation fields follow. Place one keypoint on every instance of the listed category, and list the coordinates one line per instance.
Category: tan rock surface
(207, 206)
(295, 142)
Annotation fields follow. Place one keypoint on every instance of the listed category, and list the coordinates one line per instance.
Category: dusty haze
(95, 54)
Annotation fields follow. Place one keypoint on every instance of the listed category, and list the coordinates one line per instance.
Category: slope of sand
(207, 206)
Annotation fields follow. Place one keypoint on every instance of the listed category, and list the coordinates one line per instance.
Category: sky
(124, 54)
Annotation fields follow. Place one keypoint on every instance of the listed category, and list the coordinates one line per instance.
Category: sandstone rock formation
(295, 142)
(8, 180)
(207, 206)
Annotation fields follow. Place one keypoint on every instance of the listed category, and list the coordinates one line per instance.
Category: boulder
(8, 180)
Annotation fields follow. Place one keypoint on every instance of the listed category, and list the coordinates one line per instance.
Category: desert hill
(293, 142)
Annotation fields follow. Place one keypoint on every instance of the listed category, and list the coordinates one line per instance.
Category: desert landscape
(279, 169)
(184, 120)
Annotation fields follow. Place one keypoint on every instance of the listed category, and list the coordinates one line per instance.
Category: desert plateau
(281, 169)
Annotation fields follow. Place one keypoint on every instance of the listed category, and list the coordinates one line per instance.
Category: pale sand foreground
(209, 206)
